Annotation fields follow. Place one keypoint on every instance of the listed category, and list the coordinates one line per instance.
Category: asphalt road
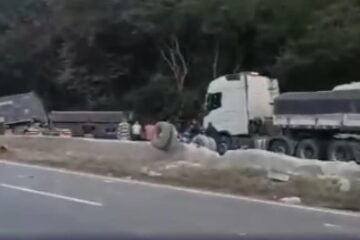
(39, 200)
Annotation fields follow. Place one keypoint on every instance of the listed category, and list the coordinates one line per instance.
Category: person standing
(149, 131)
(136, 130)
(123, 131)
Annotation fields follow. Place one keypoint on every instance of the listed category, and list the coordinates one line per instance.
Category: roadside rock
(3, 149)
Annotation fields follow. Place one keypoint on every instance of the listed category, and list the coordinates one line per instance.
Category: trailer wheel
(340, 151)
(356, 151)
(281, 145)
(308, 149)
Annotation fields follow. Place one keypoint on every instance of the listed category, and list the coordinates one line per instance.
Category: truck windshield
(213, 101)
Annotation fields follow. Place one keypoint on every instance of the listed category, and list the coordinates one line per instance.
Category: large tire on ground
(308, 149)
(340, 150)
(282, 145)
(165, 136)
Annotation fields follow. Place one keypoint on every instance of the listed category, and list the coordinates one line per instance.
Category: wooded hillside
(157, 56)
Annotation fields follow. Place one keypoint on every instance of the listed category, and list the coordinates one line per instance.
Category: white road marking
(183, 189)
(52, 195)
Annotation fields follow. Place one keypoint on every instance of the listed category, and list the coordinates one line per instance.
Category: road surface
(41, 200)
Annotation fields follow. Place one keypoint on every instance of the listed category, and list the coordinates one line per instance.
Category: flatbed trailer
(247, 111)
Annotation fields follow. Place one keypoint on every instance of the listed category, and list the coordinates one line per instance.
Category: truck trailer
(246, 110)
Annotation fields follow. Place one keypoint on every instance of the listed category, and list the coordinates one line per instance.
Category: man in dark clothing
(194, 128)
(212, 132)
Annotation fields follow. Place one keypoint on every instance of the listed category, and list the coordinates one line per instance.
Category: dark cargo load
(327, 102)
(22, 108)
(89, 116)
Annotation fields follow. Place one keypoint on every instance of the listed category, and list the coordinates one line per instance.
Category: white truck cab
(233, 101)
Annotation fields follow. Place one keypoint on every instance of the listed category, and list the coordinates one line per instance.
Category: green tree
(328, 53)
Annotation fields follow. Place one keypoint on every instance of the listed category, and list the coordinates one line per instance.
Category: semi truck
(246, 110)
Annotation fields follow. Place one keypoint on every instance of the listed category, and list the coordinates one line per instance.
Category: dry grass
(314, 192)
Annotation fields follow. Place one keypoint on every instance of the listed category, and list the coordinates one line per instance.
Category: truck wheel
(281, 145)
(164, 133)
(340, 151)
(355, 146)
(308, 149)
(224, 144)
(222, 148)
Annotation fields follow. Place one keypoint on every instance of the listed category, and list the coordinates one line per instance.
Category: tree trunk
(172, 55)
(216, 59)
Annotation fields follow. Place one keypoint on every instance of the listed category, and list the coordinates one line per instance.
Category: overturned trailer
(20, 110)
(321, 125)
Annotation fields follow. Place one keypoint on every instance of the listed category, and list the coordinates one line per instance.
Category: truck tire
(164, 134)
(282, 145)
(356, 151)
(308, 149)
(222, 148)
(340, 150)
(224, 144)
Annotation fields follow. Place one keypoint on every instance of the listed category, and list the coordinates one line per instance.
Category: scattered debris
(291, 200)
(181, 164)
(330, 225)
(154, 174)
(146, 171)
(344, 185)
(278, 177)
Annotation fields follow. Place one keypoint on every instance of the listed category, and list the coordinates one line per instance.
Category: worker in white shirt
(136, 130)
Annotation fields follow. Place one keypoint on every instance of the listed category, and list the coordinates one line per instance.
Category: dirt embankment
(240, 172)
